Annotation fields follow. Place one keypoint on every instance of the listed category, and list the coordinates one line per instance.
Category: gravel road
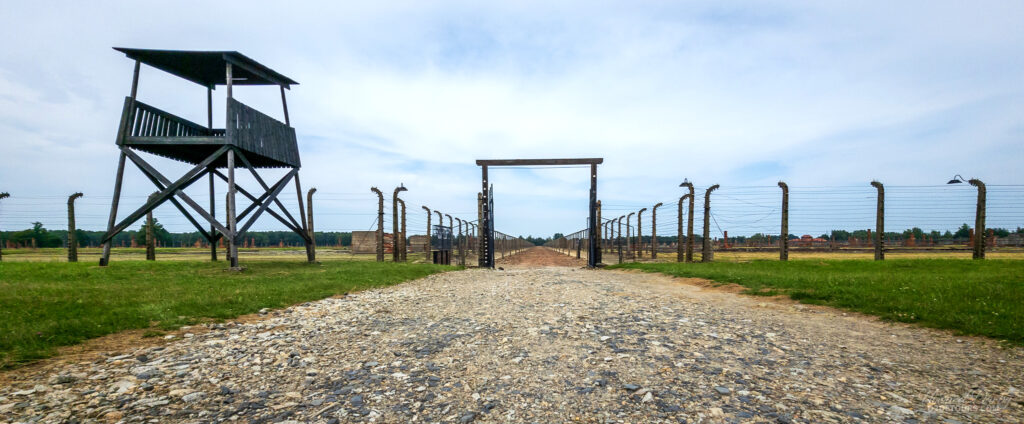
(537, 344)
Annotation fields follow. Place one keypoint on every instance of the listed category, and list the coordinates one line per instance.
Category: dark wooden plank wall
(255, 132)
(269, 142)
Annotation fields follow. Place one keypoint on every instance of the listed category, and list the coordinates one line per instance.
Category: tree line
(39, 236)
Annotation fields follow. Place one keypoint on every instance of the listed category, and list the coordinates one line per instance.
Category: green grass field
(972, 297)
(44, 305)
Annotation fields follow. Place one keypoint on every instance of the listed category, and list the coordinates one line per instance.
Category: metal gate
(487, 259)
(441, 245)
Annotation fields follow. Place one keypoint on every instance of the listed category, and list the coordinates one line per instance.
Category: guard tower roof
(206, 68)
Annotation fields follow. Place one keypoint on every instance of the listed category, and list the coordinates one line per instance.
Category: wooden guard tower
(250, 139)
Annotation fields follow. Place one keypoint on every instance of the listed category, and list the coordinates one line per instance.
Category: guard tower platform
(250, 139)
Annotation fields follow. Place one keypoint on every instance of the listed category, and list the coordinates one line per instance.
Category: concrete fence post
(629, 235)
(880, 222)
(680, 240)
(72, 237)
(689, 221)
(784, 232)
(440, 221)
(380, 224)
(639, 234)
(401, 240)
(579, 245)
(309, 220)
(458, 244)
(618, 240)
(150, 237)
(451, 226)
(607, 243)
(654, 231)
(3, 195)
(706, 253)
(395, 256)
(979, 220)
(426, 246)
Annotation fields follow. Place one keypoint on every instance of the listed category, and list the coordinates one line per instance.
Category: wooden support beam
(309, 219)
(265, 204)
(262, 183)
(538, 162)
(284, 104)
(105, 257)
(232, 230)
(256, 202)
(176, 188)
(160, 185)
(213, 212)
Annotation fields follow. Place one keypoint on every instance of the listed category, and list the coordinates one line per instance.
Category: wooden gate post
(380, 224)
(598, 244)
(480, 229)
(784, 237)
(309, 220)
(979, 220)
(879, 222)
(706, 254)
(72, 237)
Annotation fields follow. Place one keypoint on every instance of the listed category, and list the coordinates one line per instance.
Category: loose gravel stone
(554, 344)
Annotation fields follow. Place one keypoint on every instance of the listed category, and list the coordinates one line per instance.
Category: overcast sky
(738, 93)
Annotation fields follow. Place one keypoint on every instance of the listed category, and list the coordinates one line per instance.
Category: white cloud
(413, 92)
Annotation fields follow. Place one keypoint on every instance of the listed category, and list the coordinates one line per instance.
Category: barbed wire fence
(741, 219)
(342, 211)
(841, 219)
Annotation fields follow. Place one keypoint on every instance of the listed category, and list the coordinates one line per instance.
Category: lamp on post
(957, 179)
